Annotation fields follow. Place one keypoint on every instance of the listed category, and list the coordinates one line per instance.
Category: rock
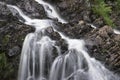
(12, 34)
(52, 1)
(33, 9)
(30, 7)
(117, 38)
(14, 51)
(86, 16)
(98, 22)
(81, 22)
(73, 30)
(5, 14)
(105, 47)
(76, 9)
(52, 34)
(63, 45)
(104, 31)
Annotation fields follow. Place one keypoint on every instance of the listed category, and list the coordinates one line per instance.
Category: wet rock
(30, 7)
(52, 1)
(49, 30)
(63, 45)
(117, 38)
(98, 22)
(5, 13)
(59, 41)
(73, 30)
(104, 31)
(14, 51)
(105, 47)
(52, 34)
(4, 9)
(86, 16)
(12, 34)
(75, 9)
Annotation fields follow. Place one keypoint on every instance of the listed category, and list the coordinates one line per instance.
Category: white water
(50, 10)
(116, 31)
(40, 61)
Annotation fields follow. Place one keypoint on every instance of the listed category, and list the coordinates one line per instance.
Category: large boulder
(29, 7)
(105, 47)
(12, 34)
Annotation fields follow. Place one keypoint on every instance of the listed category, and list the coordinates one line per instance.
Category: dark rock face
(59, 41)
(73, 30)
(105, 47)
(14, 51)
(32, 9)
(5, 13)
(12, 34)
(74, 8)
(29, 7)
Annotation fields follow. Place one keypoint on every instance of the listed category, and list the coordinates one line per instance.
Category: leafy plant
(103, 10)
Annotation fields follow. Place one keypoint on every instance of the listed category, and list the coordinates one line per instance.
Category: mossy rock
(6, 68)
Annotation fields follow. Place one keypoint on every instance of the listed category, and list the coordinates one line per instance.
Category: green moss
(5, 67)
(103, 10)
(2, 23)
(2, 61)
(104, 51)
(5, 39)
(117, 6)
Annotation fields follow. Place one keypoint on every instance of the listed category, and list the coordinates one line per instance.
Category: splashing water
(39, 61)
(50, 10)
(116, 31)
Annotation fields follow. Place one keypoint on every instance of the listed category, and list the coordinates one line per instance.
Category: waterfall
(41, 58)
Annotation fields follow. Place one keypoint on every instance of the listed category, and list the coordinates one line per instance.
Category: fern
(102, 9)
(118, 6)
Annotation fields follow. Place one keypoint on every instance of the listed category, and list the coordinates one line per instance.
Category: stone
(103, 32)
(14, 51)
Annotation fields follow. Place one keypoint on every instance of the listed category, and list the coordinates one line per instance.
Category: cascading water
(39, 63)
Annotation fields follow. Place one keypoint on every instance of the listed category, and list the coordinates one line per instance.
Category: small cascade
(41, 59)
(50, 10)
(116, 31)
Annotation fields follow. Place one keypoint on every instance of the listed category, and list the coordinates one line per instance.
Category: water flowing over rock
(58, 50)
(38, 61)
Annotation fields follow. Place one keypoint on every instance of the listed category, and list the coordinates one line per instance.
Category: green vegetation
(5, 67)
(103, 10)
(117, 6)
(6, 39)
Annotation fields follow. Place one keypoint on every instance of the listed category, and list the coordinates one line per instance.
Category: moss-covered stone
(5, 39)
(6, 68)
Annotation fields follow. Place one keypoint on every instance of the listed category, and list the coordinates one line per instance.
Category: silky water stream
(37, 57)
